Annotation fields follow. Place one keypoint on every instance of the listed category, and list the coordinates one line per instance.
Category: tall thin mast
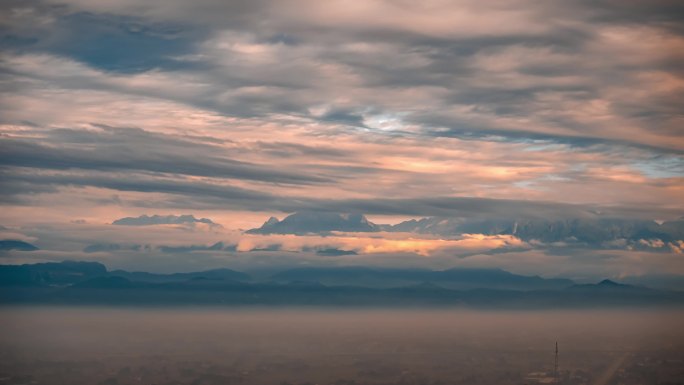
(555, 366)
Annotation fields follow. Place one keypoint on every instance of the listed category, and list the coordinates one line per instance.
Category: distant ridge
(607, 284)
(456, 278)
(50, 273)
(12, 244)
(145, 220)
(223, 274)
(89, 283)
(593, 230)
(315, 222)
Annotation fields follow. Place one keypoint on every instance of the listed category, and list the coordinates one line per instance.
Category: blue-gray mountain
(316, 222)
(456, 278)
(593, 230)
(149, 220)
(89, 283)
(50, 273)
(104, 247)
(73, 272)
(215, 274)
(13, 244)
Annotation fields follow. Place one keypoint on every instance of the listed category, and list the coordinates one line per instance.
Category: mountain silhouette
(315, 222)
(13, 244)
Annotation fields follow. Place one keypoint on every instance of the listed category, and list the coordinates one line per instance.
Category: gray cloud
(205, 195)
(483, 110)
(455, 128)
(150, 220)
(128, 149)
(218, 246)
(568, 58)
(221, 193)
(110, 247)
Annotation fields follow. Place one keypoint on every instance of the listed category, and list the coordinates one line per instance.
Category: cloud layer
(240, 110)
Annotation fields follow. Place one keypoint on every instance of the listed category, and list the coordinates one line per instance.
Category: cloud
(333, 252)
(126, 149)
(146, 220)
(380, 243)
(499, 71)
(218, 246)
(677, 247)
(109, 247)
(98, 39)
(204, 195)
(243, 109)
(652, 243)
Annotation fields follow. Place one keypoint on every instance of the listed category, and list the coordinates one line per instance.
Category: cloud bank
(242, 110)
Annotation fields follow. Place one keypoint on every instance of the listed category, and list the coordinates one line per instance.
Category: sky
(236, 111)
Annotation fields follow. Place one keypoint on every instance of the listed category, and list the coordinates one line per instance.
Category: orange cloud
(379, 244)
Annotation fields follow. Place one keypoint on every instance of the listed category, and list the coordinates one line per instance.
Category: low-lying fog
(73, 346)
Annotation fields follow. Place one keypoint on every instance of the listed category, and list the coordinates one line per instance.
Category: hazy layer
(269, 346)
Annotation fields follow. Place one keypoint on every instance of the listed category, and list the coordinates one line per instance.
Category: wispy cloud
(244, 109)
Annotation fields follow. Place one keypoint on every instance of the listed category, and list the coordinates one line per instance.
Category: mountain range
(593, 230)
(151, 220)
(316, 222)
(13, 244)
(90, 283)
(457, 278)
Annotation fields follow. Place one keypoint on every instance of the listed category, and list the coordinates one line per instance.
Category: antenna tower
(555, 366)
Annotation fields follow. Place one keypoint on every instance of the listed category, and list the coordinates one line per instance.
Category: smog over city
(377, 192)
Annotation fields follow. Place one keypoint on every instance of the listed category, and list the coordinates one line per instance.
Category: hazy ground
(74, 346)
